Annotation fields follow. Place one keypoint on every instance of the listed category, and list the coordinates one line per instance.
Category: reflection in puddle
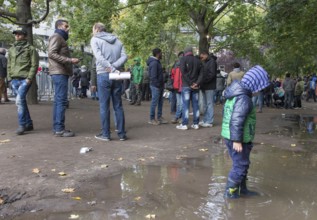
(285, 180)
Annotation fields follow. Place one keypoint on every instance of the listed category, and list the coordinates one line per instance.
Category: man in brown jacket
(60, 68)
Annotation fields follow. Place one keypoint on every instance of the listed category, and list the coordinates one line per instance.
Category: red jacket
(177, 79)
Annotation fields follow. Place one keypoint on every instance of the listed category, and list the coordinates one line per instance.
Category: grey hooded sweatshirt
(108, 50)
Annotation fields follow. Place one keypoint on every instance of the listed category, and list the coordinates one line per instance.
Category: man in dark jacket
(208, 87)
(289, 87)
(23, 61)
(157, 86)
(192, 77)
(3, 71)
(60, 66)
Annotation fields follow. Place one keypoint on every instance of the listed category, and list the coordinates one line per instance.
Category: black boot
(244, 190)
(232, 190)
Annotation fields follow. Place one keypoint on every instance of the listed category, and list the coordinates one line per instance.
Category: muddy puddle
(194, 188)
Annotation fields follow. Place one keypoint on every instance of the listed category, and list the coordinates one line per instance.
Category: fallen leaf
(62, 174)
(73, 216)
(36, 170)
(120, 158)
(152, 158)
(137, 198)
(284, 156)
(5, 141)
(179, 157)
(53, 170)
(68, 190)
(150, 216)
(104, 166)
(1, 201)
(262, 143)
(203, 149)
(76, 198)
(141, 159)
(293, 145)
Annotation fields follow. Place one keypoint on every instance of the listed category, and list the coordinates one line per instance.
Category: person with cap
(137, 72)
(238, 127)
(3, 72)
(192, 77)
(60, 68)
(23, 61)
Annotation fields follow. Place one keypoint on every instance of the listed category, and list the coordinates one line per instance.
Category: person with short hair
(60, 69)
(23, 62)
(3, 72)
(110, 56)
(236, 74)
(157, 87)
(289, 87)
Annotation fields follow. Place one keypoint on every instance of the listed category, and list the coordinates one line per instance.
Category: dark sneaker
(123, 138)
(29, 128)
(20, 130)
(162, 121)
(174, 121)
(102, 138)
(64, 133)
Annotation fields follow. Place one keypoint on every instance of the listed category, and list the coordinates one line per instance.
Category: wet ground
(193, 188)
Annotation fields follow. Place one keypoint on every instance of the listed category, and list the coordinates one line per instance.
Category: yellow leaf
(179, 157)
(1, 201)
(53, 170)
(141, 159)
(137, 198)
(262, 143)
(152, 158)
(68, 190)
(203, 149)
(73, 216)
(293, 145)
(62, 174)
(104, 166)
(120, 158)
(76, 198)
(5, 141)
(36, 170)
(150, 216)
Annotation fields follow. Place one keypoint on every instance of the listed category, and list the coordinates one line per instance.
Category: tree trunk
(23, 12)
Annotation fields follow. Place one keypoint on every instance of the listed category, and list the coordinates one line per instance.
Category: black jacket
(3, 66)
(191, 69)
(155, 72)
(210, 74)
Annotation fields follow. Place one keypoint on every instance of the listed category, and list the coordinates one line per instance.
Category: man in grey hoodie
(110, 56)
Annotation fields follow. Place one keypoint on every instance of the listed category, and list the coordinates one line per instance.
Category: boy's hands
(237, 146)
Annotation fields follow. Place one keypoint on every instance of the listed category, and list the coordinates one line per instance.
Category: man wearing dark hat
(23, 61)
(61, 67)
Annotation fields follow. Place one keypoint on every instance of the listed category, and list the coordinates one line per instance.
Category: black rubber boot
(232, 190)
(244, 190)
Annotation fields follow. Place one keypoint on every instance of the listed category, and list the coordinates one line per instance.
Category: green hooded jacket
(137, 71)
(23, 61)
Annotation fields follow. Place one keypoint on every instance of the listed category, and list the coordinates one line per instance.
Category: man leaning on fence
(60, 67)
(23, 61)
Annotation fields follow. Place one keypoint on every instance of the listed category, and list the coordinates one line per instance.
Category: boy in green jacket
(137, 72)
(23, 61)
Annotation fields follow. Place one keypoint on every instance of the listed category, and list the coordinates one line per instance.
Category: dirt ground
(22, 190)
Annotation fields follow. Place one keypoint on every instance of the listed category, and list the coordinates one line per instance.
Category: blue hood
(236, 89)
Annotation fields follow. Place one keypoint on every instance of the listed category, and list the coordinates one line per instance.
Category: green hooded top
(137, 71)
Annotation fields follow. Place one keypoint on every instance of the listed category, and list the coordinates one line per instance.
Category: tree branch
(9, 16)
(135, 4)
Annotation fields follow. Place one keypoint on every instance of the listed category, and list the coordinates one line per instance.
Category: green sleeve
(34, 63)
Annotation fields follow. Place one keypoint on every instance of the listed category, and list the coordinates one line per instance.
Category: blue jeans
(173, 102)
(157, 100)
(288, 99)
(21, 88)
(258, 99)
(188, 95)
(208, 99)
(240, 161)
(179, 105)
(110, 89)
(60, 83)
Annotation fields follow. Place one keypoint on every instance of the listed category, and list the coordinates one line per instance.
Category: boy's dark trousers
(298, 101)
(240, 161)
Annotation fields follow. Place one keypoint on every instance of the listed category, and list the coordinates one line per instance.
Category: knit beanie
(255, 79)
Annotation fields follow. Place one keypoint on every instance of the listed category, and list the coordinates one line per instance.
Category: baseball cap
(20, 30)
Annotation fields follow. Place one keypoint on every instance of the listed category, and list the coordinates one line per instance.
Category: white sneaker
(201, 122)
(206, 125)
(182, 127)
(196, 127)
